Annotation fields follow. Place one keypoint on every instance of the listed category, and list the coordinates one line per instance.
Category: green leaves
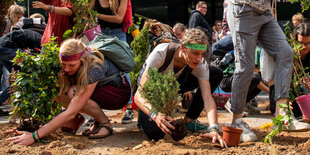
(140, 46)
(161, 91)
(36, 84)
(84, 18)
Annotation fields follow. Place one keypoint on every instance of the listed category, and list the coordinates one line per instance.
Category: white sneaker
(247, 134)
(228, 106)
(296, 126)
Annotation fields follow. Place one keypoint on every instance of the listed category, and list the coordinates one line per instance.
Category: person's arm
(92, 4)
(209, 104)
(120, 14)
(74, 107)
(160, 119)
(263, 87)
(210, 108)
(58, 10)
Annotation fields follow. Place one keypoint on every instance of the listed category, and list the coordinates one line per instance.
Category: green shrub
(36, 84)
(140, 46)
(161, 91)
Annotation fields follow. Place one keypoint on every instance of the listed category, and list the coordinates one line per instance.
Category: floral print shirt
(260, 5)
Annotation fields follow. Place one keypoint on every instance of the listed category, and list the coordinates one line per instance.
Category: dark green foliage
(84, 18)
(36, 85)
(140, 46)
(161, 91)
(134, 26)
(298, 68)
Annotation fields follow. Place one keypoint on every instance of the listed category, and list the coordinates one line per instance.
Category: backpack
(115, 50)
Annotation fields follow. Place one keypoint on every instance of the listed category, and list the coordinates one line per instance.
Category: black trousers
(253, 91)
(187, 82)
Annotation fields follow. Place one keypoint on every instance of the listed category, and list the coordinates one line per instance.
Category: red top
(57, 24)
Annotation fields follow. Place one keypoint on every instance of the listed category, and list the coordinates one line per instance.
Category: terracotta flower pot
(231, 135)
(73, 125)
(304, 104)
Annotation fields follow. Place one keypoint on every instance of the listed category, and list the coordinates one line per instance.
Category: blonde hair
(74, 46)
(195, 36)
(299, 17)
(37, 15)
(200, 3)
(114, 4)
(13, 12)
(179, 26)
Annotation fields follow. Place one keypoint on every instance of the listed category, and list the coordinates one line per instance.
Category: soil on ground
(127, 139)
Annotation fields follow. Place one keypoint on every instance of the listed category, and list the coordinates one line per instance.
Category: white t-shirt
(157, 58)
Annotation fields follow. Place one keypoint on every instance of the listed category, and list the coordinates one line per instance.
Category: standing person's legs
(274, 42)
(245, 23)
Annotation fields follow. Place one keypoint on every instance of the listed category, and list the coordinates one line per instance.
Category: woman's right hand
(40, 5)
(162, 122)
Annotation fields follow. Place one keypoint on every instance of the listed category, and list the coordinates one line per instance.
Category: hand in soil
(25, 138)
(215, 137)
(162, 122)
(187, 95)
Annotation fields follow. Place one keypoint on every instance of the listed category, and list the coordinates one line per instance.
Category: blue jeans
(223, 46)
(120, 34)
(6, 55)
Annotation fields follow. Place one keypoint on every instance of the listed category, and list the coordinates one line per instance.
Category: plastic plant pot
(231, 135)
(73, 125)
(304, 104)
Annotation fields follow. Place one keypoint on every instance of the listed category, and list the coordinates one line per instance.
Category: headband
(196, 46)
(73, 57)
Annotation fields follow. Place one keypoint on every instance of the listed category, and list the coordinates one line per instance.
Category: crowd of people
(248, 28)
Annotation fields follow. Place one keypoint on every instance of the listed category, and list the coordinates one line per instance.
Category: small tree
(36, 87)
(161, 91)
(140, 46)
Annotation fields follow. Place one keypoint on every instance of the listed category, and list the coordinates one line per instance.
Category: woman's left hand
(215, 137)
(25, 138)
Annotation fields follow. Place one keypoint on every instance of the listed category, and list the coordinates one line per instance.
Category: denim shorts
(118, 32)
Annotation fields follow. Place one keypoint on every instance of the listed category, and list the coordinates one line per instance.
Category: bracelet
(37, 132)
(214, 127)
(52, 8)
(152, 115)
(34, 137)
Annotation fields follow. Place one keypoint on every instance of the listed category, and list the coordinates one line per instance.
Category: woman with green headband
(192, 71)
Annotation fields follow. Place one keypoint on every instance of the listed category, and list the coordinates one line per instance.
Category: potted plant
(36, 87)
(161, 91)
(84, 20)
(134, 29)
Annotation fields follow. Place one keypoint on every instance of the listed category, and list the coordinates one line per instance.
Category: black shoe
(4, 113)
(128, 116)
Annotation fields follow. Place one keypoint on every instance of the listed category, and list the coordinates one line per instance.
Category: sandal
(99, 127)
(88, 132)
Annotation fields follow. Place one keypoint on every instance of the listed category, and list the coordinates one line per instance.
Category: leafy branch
(36, 84)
